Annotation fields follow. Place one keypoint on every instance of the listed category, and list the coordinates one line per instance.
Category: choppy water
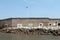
(5, 36)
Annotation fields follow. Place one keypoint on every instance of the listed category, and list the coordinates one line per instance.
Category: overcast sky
(29, 8)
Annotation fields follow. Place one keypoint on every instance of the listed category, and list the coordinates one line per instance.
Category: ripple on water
(5, 36)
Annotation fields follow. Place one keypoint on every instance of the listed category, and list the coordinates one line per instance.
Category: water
(9, 36)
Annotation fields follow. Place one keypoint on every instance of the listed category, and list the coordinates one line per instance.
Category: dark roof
(24, 18)
(33, 18)
(28, 18)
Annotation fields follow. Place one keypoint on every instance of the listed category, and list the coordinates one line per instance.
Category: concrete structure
(30, 23)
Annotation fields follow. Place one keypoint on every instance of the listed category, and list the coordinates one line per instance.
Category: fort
(30, 24)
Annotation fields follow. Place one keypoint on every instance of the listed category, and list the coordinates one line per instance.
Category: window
(49, 24)
(6, 25)
(58, 24)
(30, 25)
(54, 24)
(41, 24)
(19, 25)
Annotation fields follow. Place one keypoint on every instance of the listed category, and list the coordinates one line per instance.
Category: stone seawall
(32, 31)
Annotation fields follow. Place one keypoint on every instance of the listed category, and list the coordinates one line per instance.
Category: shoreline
(32, 32)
